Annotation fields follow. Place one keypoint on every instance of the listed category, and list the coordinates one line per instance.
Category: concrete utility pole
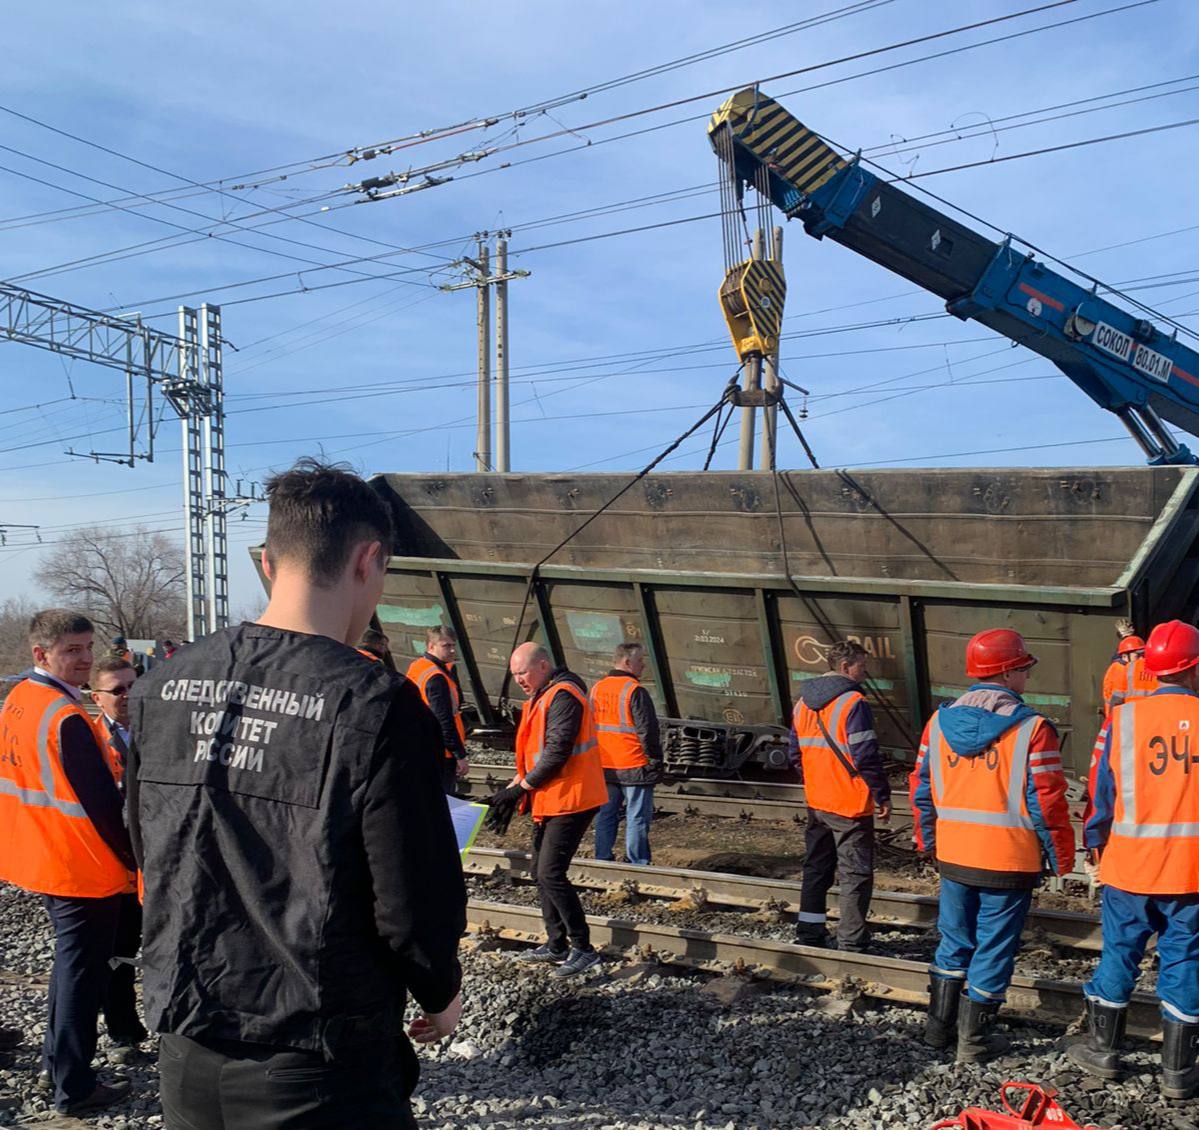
(481, 279)
(503, 435)
(483, 297)
(770, 380)
(751, 381)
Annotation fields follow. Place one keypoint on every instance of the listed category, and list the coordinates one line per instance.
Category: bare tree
(15, 614)
(129, 581)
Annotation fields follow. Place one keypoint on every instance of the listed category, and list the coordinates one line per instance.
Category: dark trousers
(835, 844)
(84, 930)
(120, 1003)
(449, 774)
(555, 841)
(222, 1085)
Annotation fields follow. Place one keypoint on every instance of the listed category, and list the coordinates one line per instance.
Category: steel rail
(750, 892)
(889, 979)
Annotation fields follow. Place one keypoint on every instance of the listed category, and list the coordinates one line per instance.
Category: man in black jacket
(301, 872)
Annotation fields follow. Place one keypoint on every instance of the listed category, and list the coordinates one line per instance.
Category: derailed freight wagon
(695, 566)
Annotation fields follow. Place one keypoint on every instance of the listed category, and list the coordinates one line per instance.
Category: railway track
(893, 980)
(747, 892)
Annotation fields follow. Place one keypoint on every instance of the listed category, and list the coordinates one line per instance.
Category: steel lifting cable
(725, 397)
(818, 615)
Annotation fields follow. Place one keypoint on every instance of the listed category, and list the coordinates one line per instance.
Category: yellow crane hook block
(752, 297)
(761, 144)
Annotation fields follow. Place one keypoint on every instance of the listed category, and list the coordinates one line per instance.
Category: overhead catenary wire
(121, 252)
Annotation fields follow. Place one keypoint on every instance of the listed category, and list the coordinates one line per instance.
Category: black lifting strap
(846, 763)
(725, 398)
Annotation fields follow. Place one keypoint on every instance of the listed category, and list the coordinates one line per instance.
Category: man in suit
(112, 679)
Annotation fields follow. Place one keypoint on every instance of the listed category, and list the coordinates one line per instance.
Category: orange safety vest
(982, 811)
(47, 842)
(1126, 681)
(828, 785)
(116, 764)
(580, 785)
(368, 654)
(420, 671)
(111, 755)
(1154, 844)
(619, 745)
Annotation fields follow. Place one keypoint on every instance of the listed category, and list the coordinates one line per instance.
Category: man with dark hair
(61, 834)
(112, 680)
(626, 729)
(832, 734)
(301, 871)
(374, 645)
(436, 677)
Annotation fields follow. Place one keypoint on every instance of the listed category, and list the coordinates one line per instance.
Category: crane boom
(1122, 361)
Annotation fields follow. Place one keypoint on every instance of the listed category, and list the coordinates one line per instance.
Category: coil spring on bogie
(700, 750)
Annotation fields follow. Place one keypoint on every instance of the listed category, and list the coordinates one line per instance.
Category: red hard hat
(994, 651)
(1130, 643)
(1172, 647)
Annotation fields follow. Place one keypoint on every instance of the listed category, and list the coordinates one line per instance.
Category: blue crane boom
(1122, 361)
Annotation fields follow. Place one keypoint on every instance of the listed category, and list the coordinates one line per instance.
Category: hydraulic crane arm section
(1122, 362)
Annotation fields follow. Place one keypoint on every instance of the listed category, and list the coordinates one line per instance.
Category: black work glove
(501, 808)
(507, 796)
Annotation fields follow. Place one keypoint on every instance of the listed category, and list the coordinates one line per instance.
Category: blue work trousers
(84, 932)
(1129, 921)
(980, 936)
(638, 801)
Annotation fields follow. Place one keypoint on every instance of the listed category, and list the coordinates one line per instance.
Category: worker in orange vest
(373, 645)
(845, 787)
(111, 681)
(62, 835)
(1127, 677)
(626, 728)
(436, 677)
(560, 781)
(1143, 825)
(989, 799)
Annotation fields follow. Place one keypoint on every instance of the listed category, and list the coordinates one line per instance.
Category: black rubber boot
(941, 1027)
(1180, 1044)
(1099, 1050)
(976, 1042)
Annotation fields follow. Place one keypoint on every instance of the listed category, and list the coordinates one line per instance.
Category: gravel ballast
(641, 1046)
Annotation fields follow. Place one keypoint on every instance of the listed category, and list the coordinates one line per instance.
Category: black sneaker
(544, 954)
(578, 962)
(105, 1094)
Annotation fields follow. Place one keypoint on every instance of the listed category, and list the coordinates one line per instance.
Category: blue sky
(617, 343)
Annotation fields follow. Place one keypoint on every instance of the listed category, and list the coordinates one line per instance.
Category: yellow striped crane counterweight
(761, 134)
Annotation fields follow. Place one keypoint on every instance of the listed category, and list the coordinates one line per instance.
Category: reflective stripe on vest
(47, 841)
(420, 671)
(1126, 726)
(611, 703)
(579, 785)
(983, 822)
(46, 796)
(1153, 848)
(1014, 816)
(829, 785)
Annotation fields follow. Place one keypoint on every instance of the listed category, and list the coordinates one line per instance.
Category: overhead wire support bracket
(187, 370)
